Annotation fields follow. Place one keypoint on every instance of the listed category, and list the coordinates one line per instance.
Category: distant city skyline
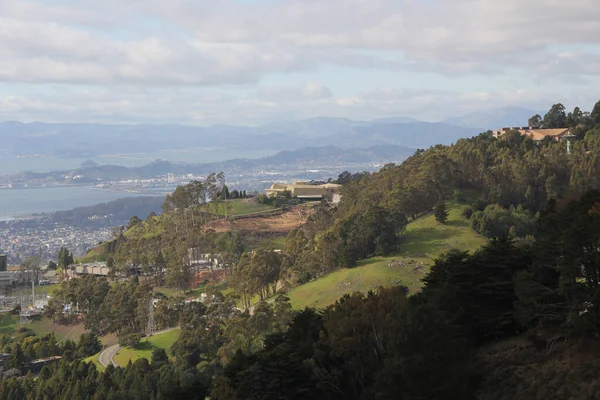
(256, 61)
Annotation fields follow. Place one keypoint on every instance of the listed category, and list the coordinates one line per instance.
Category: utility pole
(151, 327)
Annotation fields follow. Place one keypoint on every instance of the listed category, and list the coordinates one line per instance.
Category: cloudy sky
(254, 61)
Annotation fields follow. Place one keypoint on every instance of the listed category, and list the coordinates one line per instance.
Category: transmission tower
(151, 327)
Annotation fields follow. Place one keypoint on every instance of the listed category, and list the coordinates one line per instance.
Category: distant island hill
(305, 191)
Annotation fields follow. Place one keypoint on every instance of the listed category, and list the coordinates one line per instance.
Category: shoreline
(63, 198)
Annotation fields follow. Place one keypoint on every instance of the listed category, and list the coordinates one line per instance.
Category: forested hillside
(512, 178)
(517, 319)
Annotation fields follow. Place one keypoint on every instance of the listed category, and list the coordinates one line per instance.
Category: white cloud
(207, 61)
(229, 43)
(255, 107)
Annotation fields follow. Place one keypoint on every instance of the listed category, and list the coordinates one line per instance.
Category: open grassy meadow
(144, 349)
(8, 324)
(425, 239)
(254, 242)
(46, 289)
(241, 207)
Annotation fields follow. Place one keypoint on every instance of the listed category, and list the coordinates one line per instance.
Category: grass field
(8, 324)
(62, 332)
(98, 253)
(172, 292)
(46, 289)
(94, 360)
(253, 242)
(425, 240)
(277, 242)
(242, 207)
(144, 348)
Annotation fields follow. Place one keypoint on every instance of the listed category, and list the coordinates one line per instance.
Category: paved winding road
(108, 356)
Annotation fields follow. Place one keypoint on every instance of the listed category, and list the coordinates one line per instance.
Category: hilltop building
(536, 134)
(302, 190)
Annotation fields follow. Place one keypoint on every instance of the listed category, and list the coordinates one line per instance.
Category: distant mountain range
(96, 140)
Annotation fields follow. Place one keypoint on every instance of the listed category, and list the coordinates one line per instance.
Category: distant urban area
(45, 233)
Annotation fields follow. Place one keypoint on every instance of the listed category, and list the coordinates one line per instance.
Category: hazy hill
(494, 119)
(89, 140)
(307, 155)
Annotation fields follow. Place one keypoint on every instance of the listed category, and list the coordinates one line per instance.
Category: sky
(250, 62)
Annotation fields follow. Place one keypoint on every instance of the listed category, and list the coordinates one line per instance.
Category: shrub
(459, 196)
(479, 204)
(497, 221)
(467, 212)
(129, 340)
(441, 213)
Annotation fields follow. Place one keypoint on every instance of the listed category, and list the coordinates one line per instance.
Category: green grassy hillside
(425, 240)
(242, 207)
(94, 360)
(144, 348)
(9, 325)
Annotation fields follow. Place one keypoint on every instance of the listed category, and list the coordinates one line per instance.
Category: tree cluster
(27, 347)
(497, 221)
(121, 308)
(384, 345)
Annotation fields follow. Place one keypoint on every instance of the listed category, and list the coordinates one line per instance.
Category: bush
(441, 213)
(129, 340)
(467, 212)
(459, 196)
(88, 345)
(497, 221)
(479, 204)
(159, 356)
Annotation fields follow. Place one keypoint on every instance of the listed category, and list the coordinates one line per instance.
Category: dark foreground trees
(383, 345)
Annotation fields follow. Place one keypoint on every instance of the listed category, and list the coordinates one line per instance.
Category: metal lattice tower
(27, 314)
(151, 327)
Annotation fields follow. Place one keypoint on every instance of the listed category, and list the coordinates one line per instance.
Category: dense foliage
(436, 344)
(383, 345)
(513, 177)
(27, 346)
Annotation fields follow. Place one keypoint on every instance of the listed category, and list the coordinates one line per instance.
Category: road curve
(108, 356)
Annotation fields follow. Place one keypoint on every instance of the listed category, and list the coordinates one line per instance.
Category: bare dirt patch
(277, 224)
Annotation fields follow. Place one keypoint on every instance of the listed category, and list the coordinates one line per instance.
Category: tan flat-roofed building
(302, 190)
(534, 134)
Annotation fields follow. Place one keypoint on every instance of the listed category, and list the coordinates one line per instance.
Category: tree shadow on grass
(430, 234)
(458, 223)
(145, 345)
